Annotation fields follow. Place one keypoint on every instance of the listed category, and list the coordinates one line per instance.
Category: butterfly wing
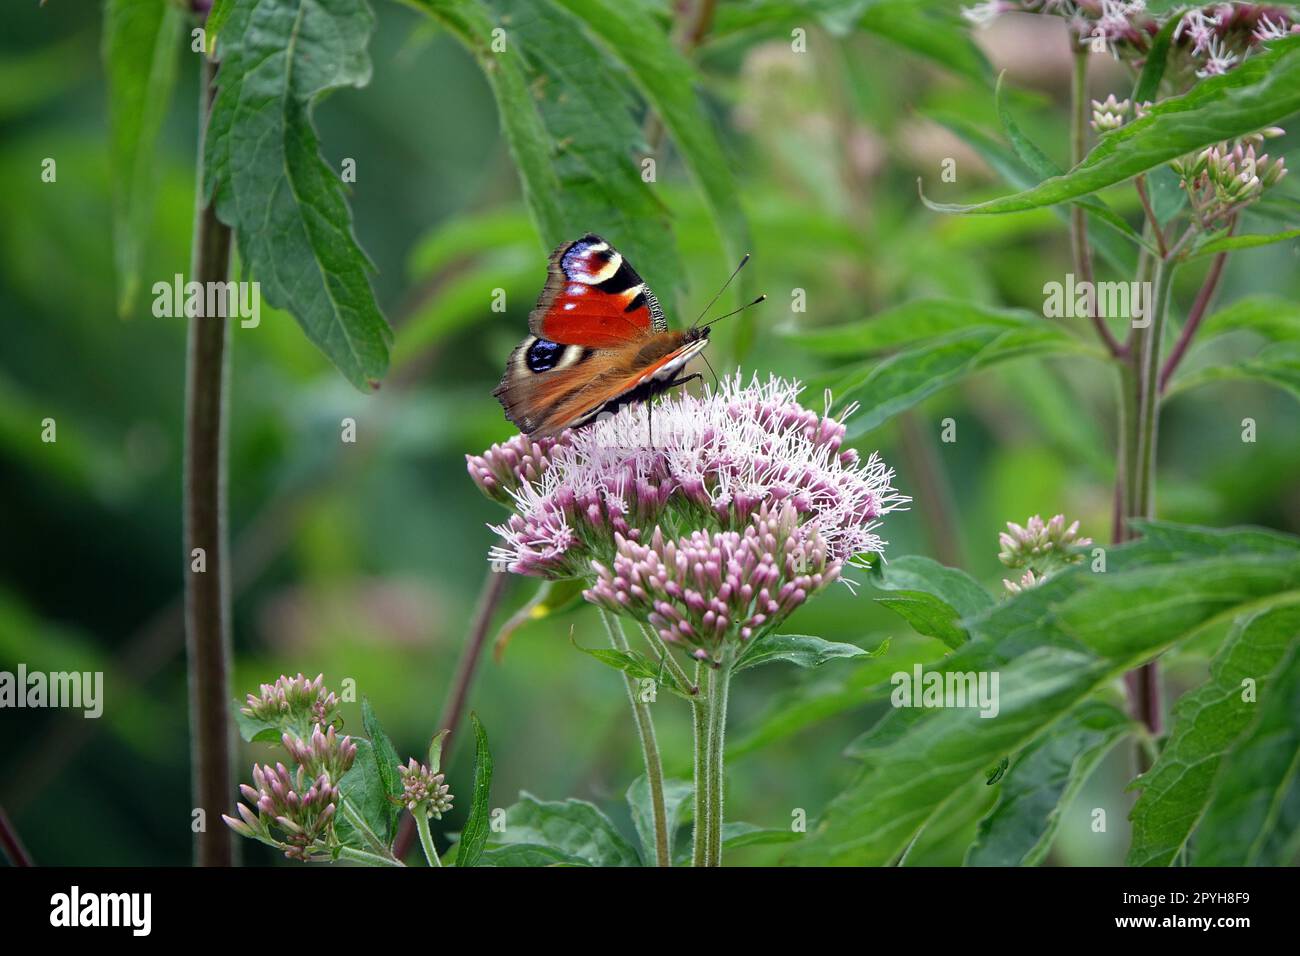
(549, 387)
(594, 298)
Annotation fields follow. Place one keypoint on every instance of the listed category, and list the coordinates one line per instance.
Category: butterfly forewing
(599, 339)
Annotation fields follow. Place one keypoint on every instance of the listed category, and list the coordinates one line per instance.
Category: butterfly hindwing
(594, 298)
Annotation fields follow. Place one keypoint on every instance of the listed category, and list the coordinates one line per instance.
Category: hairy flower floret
(295, 811)
(424, 791)
(505, 466)
(294, 702)
(692, 463)
(700, 590)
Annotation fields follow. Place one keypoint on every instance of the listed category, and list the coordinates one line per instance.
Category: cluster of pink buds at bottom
(294, 811)
(422, 788)
(294, 701)
(704, 589)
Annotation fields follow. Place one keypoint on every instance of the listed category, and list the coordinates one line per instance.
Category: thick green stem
(718, 681)
(426, 838)
(654, 770)
(700, 723)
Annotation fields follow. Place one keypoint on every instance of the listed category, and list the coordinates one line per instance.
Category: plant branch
(1141, 183)
(12, 843)
(700, 727)
(207, 593)
(1204, 296)
(1078, 216)
(718, 681)
(654, 770)
(494, 589)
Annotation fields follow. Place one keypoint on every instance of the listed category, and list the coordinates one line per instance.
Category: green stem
(700, 715)
(718, 680)
(426, 838)
(358, 822)
(654, 769)
(1148, 394)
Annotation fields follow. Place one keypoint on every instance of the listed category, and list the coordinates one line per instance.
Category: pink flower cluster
(703, 588)
(712, 463)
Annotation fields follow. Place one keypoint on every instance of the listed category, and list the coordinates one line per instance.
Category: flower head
(713, 461)
(1110, 113)
(424, 791)
(324, 754)
(294, 810)
(1041, 547)
(702, 589)
(293, 702)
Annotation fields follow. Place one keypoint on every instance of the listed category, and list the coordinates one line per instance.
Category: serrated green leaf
(387, 762)
(363, 787)
(1268, 315)
(1051, 647)
(254, 729)
(141, 41)
(801, 650)
(1254, 816)
(262, 164)
(573, 827)
(931, 597)
(638, 667)
(474, 836)
(1263, 90)
(1147, 87)
(1037, 789)
(1207, 722)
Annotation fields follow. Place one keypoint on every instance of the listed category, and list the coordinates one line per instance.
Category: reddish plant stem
(1199, 307)
(207, 593)
(12, 843)
(494, 589)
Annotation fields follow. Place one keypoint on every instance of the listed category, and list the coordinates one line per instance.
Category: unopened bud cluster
(1041, 548)
(294, 702)
(295, 811)
(1220, 179)
(424, 791)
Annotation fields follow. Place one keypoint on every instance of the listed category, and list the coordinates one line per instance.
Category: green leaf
(931, 597)
(254, 729)
(387, 762)
(1147, 87)
(737, 835)
(1047, 774)
(1278, 364)
(800, 649)
(1206, 724)
(638, 667)
(1050, 647)
(262, 164)
(574, 827)
(1043, 167)
(1229, 243)
(886, 388)
(940, 39)
(474, 837)
(1254, 817)
(636, 39)
(528, 854)
(1268, 315)
(1263, 90)
(907, 325)
(677, 796)
(363, 786)
(141, 39)
(1114, 242)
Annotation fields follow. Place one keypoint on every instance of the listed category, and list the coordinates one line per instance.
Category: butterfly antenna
(734, 311)
(711, 371)
(743, 260)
